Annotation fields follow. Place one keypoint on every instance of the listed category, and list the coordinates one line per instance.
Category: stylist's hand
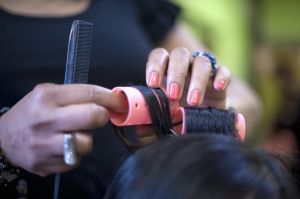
(32, 132)
(187, 79)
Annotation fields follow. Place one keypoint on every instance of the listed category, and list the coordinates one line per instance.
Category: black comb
(79, 52)
(77, 70)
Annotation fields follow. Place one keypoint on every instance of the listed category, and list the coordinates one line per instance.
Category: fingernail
(195, 97)
(174, 91)
(220, 84)
(153, 79)
(240, 125)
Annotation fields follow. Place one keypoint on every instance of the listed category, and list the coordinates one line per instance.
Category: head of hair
(200, 166)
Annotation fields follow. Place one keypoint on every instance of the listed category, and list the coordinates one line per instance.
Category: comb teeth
(79, 52)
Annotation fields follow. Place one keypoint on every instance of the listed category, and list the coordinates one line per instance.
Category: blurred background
(259, 40)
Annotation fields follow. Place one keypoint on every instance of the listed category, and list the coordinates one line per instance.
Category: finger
(51, 164)
(201, 71)
(156, 66)
(56, 165)
(83, 143)
(222, 78)
(64, 95)
(60, 168)
(177, 71)
(216, 95)
(80, 117)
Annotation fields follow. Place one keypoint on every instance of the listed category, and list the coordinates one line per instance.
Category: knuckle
(178, 75)
(90, 113)
(40, 98)
(97, 115)
(225, 72)
(204, 62)
(40, 92)
(157, 58)
(38, 118)
(91, 93)
(33, 144)
(159, 52)
(103, 116)
(98, 95)
(35, 117)
(181, 51)
(207, 67)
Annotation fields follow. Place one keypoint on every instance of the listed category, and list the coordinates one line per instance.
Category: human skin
(44, 8)
(32, 131)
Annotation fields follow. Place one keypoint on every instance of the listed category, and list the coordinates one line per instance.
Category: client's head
(205, 166)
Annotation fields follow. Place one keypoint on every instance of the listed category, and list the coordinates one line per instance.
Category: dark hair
(211, 120)
(197, 119)
(206, 166)
(159, 109)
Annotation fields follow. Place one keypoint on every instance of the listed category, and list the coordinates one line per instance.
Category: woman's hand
(186, 78)
(32, 132)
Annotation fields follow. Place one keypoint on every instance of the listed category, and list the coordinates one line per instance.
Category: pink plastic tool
(137, 108)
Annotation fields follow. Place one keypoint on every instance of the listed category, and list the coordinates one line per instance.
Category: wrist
(8, 173)
(2, 111)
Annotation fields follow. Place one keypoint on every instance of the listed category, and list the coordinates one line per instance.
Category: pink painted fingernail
(153, 79)
(220, 84)
(240, 125)
(174, 91)
(195, 97)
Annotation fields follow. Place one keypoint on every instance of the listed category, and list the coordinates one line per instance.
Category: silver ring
(70, 156)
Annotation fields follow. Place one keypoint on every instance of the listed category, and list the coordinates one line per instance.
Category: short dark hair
(206, 166)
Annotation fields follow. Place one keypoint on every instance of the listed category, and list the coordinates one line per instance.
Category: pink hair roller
(179, 119)
(137, 108)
